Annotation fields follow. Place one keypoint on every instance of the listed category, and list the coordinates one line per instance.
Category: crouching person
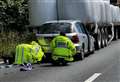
(37, 53)
(62, 49)
(27, 54)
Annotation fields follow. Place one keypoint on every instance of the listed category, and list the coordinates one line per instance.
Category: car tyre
(82, 54)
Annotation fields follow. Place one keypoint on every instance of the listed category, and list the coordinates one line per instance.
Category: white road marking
(93, 77)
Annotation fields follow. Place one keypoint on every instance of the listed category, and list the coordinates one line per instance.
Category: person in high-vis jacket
(62, 47)
(23, 54)
(37, 52)
(26, 54)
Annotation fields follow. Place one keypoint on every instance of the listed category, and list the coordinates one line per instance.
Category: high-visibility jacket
(37, 51)
(28, 53)
(44, 44)
(23, 54)
(62, 46)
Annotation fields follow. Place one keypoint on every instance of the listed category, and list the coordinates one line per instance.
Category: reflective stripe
(16, 57)
(37, 50)
(30, 54)
(22, 58)
(61, 44)
(63, 56)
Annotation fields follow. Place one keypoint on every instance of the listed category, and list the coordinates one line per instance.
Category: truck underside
(103, 33)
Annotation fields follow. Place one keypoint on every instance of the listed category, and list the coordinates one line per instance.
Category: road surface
(102, 66)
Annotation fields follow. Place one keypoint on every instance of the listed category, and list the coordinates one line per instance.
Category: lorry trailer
(101, 18)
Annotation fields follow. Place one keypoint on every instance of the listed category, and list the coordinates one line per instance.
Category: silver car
(74, 29)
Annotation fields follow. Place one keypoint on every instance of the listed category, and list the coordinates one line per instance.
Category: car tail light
(75, 39)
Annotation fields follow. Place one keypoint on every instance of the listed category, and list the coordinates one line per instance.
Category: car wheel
(82, 54)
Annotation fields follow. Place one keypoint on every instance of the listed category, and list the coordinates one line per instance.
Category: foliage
(10, 40)
(13, 14)
(13, 19)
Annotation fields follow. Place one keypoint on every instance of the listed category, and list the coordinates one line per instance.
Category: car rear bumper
(77, 46)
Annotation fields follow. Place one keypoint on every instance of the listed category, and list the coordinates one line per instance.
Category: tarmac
(3, 65)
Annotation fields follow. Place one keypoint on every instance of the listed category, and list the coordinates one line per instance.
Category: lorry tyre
(102, 38)
(98, 40)
(115, 34)
(106, 41)
(106, 37)
(118, 33)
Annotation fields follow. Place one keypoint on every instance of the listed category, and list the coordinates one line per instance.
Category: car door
(82, 35)
(90, 39)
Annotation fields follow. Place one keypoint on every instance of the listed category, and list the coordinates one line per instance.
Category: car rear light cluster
(75, 39)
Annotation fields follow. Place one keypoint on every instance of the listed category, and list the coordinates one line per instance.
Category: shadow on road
(50, 65)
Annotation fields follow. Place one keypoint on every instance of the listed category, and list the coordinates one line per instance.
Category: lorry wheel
(106, 40)
(102, 38)
(106, 37)
(98, 40)
(118, 33)
(115, 34)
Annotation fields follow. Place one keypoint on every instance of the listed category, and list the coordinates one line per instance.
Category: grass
(9, 41)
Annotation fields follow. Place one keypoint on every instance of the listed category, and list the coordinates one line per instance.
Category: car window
(79, 28)
(52, 28)
(84, 29)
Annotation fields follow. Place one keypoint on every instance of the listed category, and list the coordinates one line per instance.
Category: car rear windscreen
(54, 28)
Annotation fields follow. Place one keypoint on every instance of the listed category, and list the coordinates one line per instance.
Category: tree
(13, 14)
(13, 19)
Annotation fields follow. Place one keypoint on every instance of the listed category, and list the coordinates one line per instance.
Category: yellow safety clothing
(62, 46)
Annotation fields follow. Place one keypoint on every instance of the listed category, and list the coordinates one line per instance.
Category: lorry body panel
(84, 10)
(42, 11)
(95, 11)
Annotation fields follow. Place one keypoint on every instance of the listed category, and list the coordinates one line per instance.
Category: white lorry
(100, 17)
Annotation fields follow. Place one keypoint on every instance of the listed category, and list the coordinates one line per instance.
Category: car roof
(63, 21)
